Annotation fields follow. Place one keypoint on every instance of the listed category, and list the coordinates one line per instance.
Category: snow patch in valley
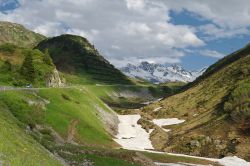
(153, 101)
(157, 109)
(226, 161)
(131, 135)
(177, 164)
(233, 161)
(167, 130)
(167, 122)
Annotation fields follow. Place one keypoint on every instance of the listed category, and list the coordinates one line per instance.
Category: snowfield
(226, 161)
(131, 135)
(167, 122)
(233, 161)
(178, 164)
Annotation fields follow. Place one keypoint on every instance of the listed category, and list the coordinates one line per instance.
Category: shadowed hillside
(76, 56)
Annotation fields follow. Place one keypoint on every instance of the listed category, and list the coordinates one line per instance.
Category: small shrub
(237, 105)
(48, 138)
(45, 131)
(9, 48)
(66, 97)
(47, 59)
(6, 67)
(27, 69)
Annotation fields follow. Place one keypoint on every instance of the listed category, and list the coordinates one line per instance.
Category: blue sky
(7, 5)
(225, 45)
(192, 33)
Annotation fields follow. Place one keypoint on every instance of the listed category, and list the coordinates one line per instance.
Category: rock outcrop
(109, 119)
(54, 80)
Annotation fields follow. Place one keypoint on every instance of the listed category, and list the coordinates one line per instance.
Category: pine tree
(27, 69)
(47, 59)
(6, 67)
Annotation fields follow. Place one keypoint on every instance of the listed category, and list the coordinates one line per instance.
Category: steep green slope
(216, 110)
(227, 60)
(75, 114)
(74, 55)
(70, 122)
(23, 66)
(18, 35)
(17, 147)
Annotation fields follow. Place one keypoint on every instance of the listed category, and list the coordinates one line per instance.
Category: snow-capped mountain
(158, 73)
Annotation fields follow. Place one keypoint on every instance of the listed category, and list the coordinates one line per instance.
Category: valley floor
(132, 137)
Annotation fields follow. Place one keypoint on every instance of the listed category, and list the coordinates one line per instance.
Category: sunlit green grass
(82, 107)
(18, 148)
(59, 112)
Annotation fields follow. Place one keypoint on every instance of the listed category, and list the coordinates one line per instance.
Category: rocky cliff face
(54, 80)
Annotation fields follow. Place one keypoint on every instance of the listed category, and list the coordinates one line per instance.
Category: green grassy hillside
(59, 109)
(22, 66)
(18, 35)
(74, 55)
(216, 110)
(17, 146)
(68, 122)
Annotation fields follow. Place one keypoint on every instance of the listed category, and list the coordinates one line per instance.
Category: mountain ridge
(18, 35)
(75, 55)
(159, 73)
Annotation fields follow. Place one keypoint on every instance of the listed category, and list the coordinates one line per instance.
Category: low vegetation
(216, 109)
(21, 67)
(238, 105)
(57, 108)
(16, 146)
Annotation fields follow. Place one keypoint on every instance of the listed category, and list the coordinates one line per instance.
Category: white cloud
(225, 13)
(212, 32)
(121, 29)
(211, 53)
(135, 4)
(133, 30)
(205, 52)
(231, 17)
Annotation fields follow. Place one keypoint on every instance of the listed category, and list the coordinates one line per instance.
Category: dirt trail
(72, 131)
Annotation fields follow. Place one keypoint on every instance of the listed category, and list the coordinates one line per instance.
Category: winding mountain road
(10, 88)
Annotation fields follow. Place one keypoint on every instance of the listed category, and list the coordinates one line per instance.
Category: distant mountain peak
(158, 73)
